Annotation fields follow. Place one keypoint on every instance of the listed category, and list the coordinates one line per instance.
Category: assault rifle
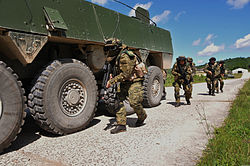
(213, 74)
(107, 71)
(184, 76)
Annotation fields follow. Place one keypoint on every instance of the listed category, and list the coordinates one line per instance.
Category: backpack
(140, 67)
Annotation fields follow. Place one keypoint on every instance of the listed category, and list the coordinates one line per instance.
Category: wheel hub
(1, 108)
(73, 97)
(156, 86)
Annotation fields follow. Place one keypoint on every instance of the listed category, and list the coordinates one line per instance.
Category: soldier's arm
(126, 67)
(174, 70)
(189, 71)
(223, 69)
(217, 70)
(194, 68)
(206, 69)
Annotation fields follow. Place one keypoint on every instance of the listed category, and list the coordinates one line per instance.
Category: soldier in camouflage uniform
(212, 69)
(182, 75)
(193, 68)
(130, 84)
(220, 78)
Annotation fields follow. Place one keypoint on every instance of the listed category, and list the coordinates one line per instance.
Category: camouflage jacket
(222, 69)
(193, 68)
(215, 69)
(125, 64)
(182, 71)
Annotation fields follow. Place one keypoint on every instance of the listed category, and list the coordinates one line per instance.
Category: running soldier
(130, 83)
(221, 76)
(182, 75)
(212, 69)
(193, 68)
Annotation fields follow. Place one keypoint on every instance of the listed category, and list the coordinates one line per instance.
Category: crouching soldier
(212, 70)
(182, 75)
(130, 83)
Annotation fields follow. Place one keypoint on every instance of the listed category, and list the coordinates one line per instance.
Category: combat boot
(178, 104)
(140, 122)
(118, 129)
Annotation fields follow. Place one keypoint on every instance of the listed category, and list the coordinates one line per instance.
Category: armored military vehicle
(51, 58)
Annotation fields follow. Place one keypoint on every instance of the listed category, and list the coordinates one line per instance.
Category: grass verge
(230, 145)
(239, 75)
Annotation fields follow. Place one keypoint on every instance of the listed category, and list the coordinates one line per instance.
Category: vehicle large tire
(112, 104)
(64, 97)
(153, 87)
(12, 105)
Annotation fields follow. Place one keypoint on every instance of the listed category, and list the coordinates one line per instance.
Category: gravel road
(171, 136)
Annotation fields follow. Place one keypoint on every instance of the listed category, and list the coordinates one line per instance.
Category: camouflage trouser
(191, 88)
(187, 88)
(221, 84)
(211, 84)
(134, 92)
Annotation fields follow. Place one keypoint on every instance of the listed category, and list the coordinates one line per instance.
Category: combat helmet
(181, 58)
(189, 59)
(112, 44)
(212, 59)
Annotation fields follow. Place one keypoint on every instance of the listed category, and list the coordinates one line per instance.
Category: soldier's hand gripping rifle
(184, 76)
(186, 81)
(213, 74)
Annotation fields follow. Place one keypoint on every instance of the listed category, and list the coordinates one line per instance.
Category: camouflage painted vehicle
(51, 61)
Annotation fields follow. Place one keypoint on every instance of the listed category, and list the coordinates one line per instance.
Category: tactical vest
(214, 69)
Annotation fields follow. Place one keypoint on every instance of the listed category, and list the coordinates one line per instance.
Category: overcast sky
(200, 28)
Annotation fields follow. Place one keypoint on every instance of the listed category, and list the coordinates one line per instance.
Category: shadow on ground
(204, 94)
(112, 123)
(31, 132)
(174, 103)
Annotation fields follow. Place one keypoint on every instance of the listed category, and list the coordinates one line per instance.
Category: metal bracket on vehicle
(28, 45)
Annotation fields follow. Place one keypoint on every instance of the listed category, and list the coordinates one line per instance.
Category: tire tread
(146, 100)
(21, 123)
(35, 101)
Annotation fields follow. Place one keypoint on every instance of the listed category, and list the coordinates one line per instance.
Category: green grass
(239, 75)
(169, 80)
(230, 145)
(236, 76)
